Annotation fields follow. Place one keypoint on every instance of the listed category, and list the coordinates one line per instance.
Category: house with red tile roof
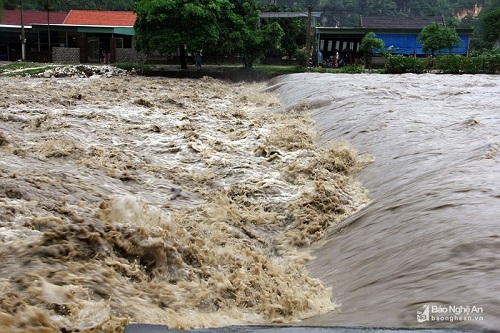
(83, 36)
(12, 23)
(100, 18)
(13, 17)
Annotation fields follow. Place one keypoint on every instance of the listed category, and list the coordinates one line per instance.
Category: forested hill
(342, 13)
(67, 5)
(345, 13)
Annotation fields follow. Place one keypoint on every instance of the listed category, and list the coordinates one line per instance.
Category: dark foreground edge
(150, 328)
(234, 76)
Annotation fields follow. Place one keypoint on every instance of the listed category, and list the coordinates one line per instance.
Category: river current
(430, 235)
(313, 199)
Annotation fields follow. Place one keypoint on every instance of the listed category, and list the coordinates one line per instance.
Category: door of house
(4, 53)
(93, 49)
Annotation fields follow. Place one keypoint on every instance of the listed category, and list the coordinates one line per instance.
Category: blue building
(398, 33)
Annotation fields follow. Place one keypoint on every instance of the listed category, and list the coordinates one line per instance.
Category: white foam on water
(430, 233)
(190, 203)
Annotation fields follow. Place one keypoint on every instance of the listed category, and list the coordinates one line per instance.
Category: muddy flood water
(312, 199)
(429, 242)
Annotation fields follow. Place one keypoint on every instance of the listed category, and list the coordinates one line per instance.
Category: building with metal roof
(399, 35)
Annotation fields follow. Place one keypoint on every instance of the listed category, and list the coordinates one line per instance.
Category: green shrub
(300, 55)
(491, 64)
(351, 69)
(128, 66)
(472, 65)
(449, 63)
(398, 64)
(457, 64)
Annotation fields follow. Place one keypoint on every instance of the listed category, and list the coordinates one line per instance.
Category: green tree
(294, 35)
(369, 45)
(67, 5)
(339, 13)
(490, 27)
(429, 8)
(294, 30)
(166, 26)
(48, 5)
(436, 37)
(16, 5)
(241, 33)
(378, 7)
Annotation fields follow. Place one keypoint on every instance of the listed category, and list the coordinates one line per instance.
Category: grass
(209, 67)
(275, 69)
(19, 65)
(24, 68)
(30, 68)
(279, 69)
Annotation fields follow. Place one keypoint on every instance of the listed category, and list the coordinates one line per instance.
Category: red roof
(98, 17)
(13, 17)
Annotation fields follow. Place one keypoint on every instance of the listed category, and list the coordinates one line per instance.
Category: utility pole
(23, 39)
(308, 34)
(48, 30)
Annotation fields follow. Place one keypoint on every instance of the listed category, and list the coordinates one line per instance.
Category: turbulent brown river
(312, 199)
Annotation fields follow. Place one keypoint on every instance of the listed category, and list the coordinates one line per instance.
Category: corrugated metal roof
(101, 18)
(13, 17)
(389, 22)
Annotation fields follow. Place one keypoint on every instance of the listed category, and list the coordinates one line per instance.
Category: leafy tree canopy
(436, 37)
(48, 5)
(370, 44)
(227, 25)
(490, 26)
(294, 29)
(67, 5)
(245, 36)
(163, 25)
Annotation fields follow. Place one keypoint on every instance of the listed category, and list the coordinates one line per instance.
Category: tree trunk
(182, 57)
(247, 62)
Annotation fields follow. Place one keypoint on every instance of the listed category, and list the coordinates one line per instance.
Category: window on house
(124, 42)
